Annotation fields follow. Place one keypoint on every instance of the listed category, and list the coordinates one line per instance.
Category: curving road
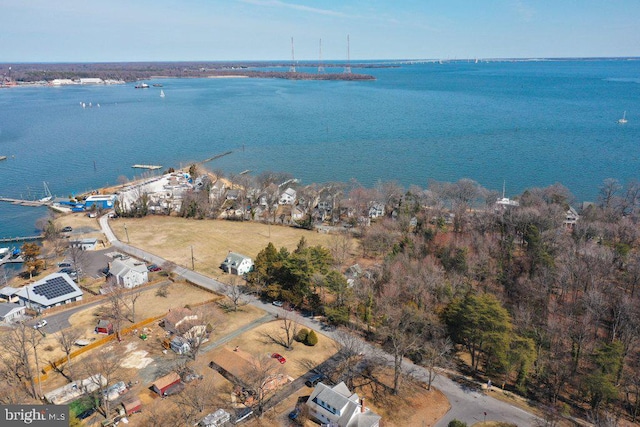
(467, 405)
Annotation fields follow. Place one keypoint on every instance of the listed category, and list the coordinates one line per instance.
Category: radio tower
(320, 66)
(347, 69)
(292, 69)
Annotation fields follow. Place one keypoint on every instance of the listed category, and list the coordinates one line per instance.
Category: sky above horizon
(233, 30)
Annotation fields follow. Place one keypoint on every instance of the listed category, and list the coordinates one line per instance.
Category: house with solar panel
(51, 291)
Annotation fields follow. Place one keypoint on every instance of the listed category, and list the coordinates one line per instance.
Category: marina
(22, 202)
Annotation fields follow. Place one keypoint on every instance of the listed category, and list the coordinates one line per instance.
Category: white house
(288, 196)
(129, 272)
(53, 290)
(236, 263)
(88, 244)
(337, 406)
(376, 210)
(180, 345)
(10, 294)
(9, 311)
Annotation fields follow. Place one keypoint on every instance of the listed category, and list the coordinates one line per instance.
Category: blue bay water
(531, 124)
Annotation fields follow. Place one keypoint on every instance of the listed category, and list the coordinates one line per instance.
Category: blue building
(100, 201)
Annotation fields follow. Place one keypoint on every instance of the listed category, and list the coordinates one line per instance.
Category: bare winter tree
(261, 372)
(236, 294)
(197, 400)
(197, 331)
(78, 258)
(17, 348)
(351, 349)
(103, 370)
(340, 247)
(290, 329)
(66, 339)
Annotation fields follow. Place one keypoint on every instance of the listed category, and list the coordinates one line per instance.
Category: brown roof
(167, 380)
(177, 314)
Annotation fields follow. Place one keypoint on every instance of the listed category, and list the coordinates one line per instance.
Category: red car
(280, 358)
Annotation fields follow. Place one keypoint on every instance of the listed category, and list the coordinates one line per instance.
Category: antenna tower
(292, 69)
(347, 69)
(320, 66)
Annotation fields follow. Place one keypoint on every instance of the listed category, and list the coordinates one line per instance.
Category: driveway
(469, 406)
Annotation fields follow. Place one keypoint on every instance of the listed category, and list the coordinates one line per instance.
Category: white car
(277, 303)
(41, 324)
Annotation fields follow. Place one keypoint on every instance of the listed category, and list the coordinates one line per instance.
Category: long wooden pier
(21, 239)
(150, 167)
(217, 156)
(22, 202)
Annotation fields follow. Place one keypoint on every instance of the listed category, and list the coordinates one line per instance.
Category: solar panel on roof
(54, 288)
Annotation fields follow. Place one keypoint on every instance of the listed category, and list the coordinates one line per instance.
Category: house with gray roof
(337, 406)
(10, 312)
(8, 293)
(236, 263)
(129, 272)
(53, 290)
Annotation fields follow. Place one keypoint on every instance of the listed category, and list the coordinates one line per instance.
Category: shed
(88, 244)
(161, 385)
(131, 406)
(104, 327)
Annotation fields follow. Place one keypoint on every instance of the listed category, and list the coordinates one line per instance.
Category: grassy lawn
(211, 240)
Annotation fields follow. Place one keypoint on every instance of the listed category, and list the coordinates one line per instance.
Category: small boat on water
(3, 157)
(157, 85)
(142, 86)
(623, 120)
(161, 93)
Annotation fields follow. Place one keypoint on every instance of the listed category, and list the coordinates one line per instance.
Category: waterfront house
(236, 263)
(233, 194)
(53, 290)
(337, 406)
(88, 244)
(10, 312)
(129, 272)
(571, 218)
(376, 210)
(288, 197)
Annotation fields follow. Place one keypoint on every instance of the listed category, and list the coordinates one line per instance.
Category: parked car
(41, 324)
(294, 414)
(314, 380)
(92, 214)
(67, 229)
(153, 267)
(71, 272)
(278, 303)
(279, 357)
(64, 265)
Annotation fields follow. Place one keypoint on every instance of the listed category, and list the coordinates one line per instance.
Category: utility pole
(126, 232)
(193, 262)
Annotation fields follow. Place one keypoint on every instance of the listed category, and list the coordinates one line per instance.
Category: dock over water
(21, 239)
(150, 167)
(22, 202)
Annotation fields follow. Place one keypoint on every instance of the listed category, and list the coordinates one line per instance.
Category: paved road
(467, 405)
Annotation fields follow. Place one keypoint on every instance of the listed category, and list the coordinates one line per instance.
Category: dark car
(314, 380)
(86, 414)
(294, 414)
(67, 229)
(153, 267)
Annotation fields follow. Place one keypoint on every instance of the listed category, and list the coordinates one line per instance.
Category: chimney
(362, 405)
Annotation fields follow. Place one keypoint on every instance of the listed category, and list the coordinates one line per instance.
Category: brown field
(299, 360)
(173, 238)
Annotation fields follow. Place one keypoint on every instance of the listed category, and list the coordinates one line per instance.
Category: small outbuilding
(131, 406)
(161, 385)
(88, 244)
(104, 327)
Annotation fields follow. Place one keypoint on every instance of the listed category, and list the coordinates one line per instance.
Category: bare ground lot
(172, 238)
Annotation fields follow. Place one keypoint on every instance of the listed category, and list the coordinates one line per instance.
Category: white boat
(623, 120)
(47, 193)
(161, 93)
